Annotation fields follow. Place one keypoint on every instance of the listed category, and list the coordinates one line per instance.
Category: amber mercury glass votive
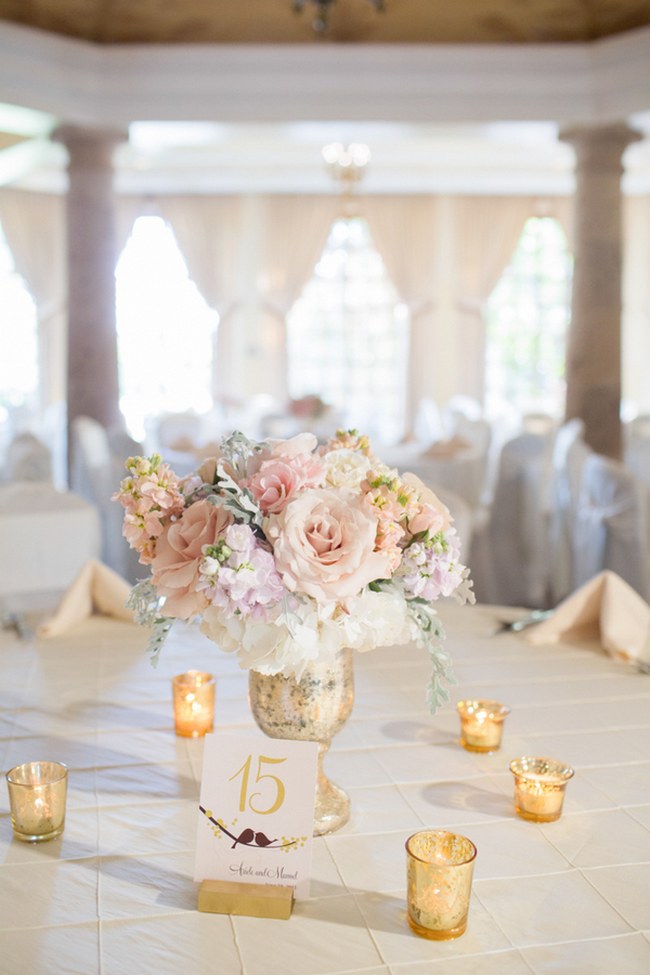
(539, 788)
(193, 703)
(37, 799)
(481, 724)
(439, 869)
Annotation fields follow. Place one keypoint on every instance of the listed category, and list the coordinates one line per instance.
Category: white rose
(345, 468)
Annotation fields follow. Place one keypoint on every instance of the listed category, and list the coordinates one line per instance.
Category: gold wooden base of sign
(250, 900)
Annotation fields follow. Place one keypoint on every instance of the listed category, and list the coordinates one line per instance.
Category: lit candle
(440, 866)
(37, 799)
(539, 788)
(481, 724)
(193, 694)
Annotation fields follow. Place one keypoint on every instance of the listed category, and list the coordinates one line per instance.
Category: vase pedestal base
(332, 808)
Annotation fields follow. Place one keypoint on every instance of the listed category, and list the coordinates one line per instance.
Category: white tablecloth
(115, 893)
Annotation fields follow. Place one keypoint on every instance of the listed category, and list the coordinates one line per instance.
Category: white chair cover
(461, 512)
(637, 459)
(46, 536)
(569, 454)
(610, 526)
(28, 459)
(96, 475)
(518, 528)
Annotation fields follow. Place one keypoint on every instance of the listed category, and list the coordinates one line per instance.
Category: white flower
(382, 618)
(345, 468)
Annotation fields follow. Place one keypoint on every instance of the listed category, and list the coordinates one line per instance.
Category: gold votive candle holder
(481, 724)
(439, 866)
(37, 800)
(539, 788)
(193, 694)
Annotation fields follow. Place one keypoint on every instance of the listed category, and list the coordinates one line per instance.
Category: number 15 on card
(256, 811)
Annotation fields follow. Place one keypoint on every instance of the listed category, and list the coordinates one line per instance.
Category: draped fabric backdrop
(208, 230)
(487, 231)
(636, 302)
(34, 225)
(443, 253)
(403, 229)
(293, 234)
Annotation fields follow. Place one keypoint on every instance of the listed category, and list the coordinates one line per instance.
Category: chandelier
(322, 9)
(346, 164)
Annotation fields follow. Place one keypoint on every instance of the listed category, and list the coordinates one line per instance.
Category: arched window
(19, 373)
(348, 336)
(165, 329)
(527, 318)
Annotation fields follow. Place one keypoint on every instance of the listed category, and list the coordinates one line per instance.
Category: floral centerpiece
(287, 552)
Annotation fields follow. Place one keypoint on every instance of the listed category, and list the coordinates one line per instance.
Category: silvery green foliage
(431, 634)
(146, 605)
(236, 499)
(235, 450)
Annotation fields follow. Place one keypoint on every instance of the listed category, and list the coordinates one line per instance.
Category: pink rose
(178, 554)
(274, 485)
(323, 545)
(433, 515)
(287, 450)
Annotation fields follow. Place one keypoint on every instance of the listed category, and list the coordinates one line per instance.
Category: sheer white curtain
(209, 233)
(404, 231)
(487, 231)
(34, 225)
(293, 233)
(636, 303)
(127, 211)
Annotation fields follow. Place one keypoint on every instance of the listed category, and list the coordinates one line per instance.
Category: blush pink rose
(178, 554)
(323, 545)
(300, 446)
(274, 485)
(433, 516)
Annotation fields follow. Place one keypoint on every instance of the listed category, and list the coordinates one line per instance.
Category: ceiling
(140, 56)
(275, 21)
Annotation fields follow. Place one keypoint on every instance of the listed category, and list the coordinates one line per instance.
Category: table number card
(256, 811)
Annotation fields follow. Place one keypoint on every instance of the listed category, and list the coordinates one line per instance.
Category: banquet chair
(518, 524)
(462, 472)
(568, 457)
(96, 474)
(637, 458)
(461, 512)
(610, 525)
(28, 459)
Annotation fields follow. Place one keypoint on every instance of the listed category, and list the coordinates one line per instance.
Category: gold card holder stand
(249, 900)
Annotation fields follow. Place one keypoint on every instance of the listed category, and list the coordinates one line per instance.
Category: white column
(594, 345)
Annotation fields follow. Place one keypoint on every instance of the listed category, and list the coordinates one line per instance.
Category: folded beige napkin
(97, 589)
(606, 609)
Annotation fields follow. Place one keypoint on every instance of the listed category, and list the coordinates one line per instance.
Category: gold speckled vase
(314, 708)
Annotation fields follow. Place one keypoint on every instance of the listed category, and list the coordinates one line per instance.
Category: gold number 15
(245, 770)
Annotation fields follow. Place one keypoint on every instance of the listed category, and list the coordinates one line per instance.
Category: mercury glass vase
(314, 708)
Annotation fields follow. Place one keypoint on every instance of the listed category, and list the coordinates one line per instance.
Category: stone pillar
(593, 365)
(92, 383)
